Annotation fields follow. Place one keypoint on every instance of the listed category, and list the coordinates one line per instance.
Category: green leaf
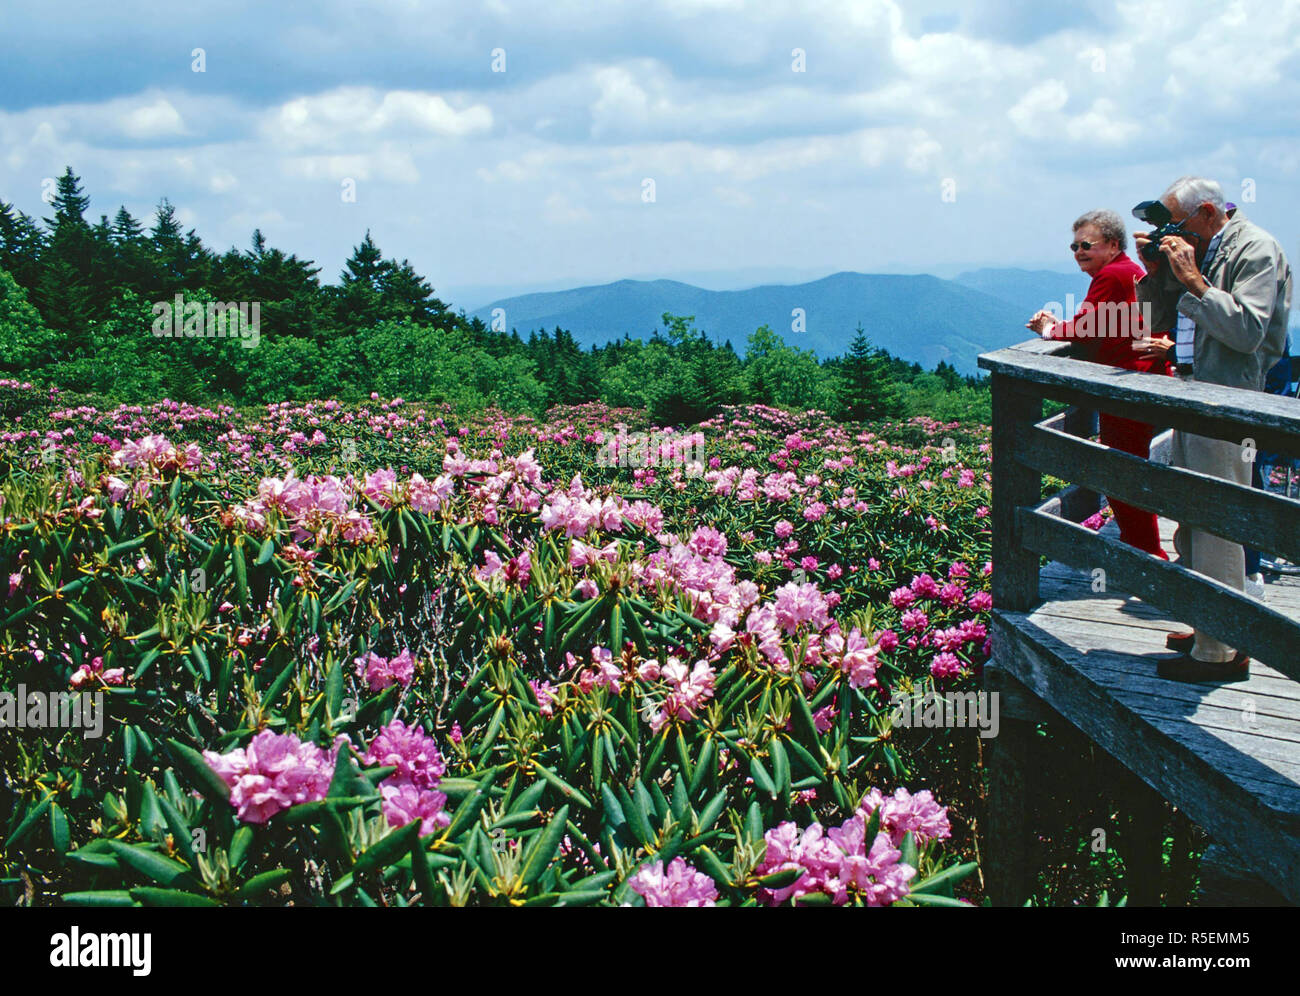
(567, 790)
(171, 897)
(241, 573)
(389, 849)
(762, 780)
(422, 873)
(467, 812)
(908, 850)
(100, 897)
(149, 863)
(780, 766)
(239, 845)
(779, 880)
(543, 848)
(204, 779)
(264, 554)
(34, 813)
(942, 882)
(257, 886)
(925, 899)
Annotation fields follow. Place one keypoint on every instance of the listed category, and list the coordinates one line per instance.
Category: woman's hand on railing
(1041, 323)
(1153, 347)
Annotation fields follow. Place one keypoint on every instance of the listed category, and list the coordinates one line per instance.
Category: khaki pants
(1204, 552)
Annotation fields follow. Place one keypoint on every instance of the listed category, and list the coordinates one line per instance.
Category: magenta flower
(903, 812)
(901, 598)
(411, 750)
(945, 665)
(980, 601)
(379, 672)
(275, 771)
(915, 619)
(679, 885)
(404, 802)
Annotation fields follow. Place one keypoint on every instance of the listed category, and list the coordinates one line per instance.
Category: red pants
(1137, 527)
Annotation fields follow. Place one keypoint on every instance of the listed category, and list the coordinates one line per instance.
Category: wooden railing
(1025, 447)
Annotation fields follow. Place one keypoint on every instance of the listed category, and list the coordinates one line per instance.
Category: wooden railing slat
(1192, 406)
(1268, 636)
(1244, 515)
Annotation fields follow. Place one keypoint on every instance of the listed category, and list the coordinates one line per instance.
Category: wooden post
(1015, 569)
(1144, 849)
(1010, 760)
(1010, 863)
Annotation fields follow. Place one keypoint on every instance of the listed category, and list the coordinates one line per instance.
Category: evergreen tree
(867, 392)
(65, 291)
(21, 244)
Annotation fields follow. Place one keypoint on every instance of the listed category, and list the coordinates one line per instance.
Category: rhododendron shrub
(357, 654)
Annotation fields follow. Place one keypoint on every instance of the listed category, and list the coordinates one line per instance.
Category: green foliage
(555, 795)
(93, 287)
(25, 342)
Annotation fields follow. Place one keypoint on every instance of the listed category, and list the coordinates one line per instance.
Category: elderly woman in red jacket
(1108, 331)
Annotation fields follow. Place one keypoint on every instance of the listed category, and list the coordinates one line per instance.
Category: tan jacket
(1241, 320)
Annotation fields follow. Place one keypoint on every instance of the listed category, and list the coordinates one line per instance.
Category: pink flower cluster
(836, 862)
(577, 511)
(690, 690)
(853, 655)
(679, 885)
(410, 792)
(903, 812)
(156, 452)
(311, 504)
(275, 771)
(380, 672)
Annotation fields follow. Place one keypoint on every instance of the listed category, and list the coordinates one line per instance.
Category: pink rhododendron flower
(275, 771)
(945, 665)
(980, 601)
(413, 751)
(403, 802)
(903, 812)
(679, 885)
(379, 672)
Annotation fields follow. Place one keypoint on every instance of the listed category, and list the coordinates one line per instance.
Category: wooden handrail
(1025, 447)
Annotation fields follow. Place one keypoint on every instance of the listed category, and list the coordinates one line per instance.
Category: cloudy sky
(509, 145)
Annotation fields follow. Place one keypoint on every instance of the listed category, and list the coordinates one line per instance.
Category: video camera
(1155, 213)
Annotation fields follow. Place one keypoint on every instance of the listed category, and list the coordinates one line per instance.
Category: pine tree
(867, 392)
(65, 292)
(21, 245)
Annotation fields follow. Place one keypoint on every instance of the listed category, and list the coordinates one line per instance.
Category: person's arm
(1239, 317)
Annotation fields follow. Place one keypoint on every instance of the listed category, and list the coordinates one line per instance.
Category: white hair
(1108, 223)
(1190, 192)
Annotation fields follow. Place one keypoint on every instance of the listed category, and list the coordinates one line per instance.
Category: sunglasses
(1085, 246)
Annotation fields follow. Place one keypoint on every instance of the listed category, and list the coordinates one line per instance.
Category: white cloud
(153, 120)
(348, 114)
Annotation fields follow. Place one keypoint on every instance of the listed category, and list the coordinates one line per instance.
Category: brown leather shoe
(1182, 642)
(1187, 668)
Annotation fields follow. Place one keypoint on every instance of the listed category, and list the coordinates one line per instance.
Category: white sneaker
(1255, 586)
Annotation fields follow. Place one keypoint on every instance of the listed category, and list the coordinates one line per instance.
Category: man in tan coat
(1225, 290)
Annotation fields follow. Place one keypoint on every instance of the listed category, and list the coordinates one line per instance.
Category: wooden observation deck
(1079, 639)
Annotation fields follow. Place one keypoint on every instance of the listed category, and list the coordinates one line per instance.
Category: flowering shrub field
(370, 654)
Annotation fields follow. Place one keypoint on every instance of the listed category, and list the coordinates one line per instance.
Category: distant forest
(77, 310)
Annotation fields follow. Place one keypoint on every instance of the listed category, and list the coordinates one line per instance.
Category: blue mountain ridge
(918, 317)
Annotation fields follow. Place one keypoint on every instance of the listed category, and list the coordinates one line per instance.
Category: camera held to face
(1155, 213)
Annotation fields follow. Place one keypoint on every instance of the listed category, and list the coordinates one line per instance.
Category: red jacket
(1106, 335)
